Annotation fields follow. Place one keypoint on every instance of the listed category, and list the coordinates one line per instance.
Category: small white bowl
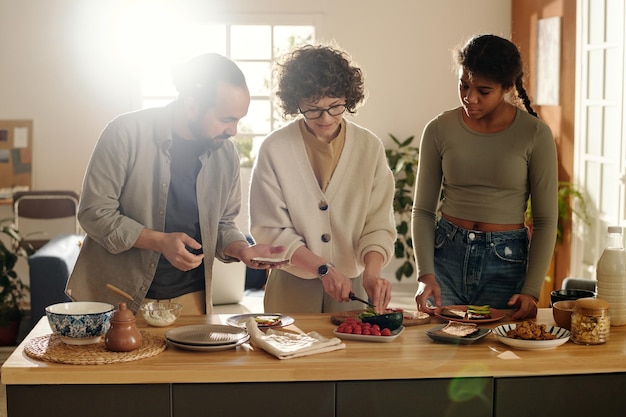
(160, 314)
(80, 322)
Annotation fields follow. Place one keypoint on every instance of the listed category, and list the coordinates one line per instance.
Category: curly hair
(312, 72)
(496, 59)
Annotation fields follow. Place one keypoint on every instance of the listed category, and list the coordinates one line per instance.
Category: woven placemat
(51, 348)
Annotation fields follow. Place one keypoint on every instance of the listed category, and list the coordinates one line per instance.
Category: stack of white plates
(207, 337)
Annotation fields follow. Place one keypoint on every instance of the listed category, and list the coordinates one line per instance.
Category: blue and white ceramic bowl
(80, 322)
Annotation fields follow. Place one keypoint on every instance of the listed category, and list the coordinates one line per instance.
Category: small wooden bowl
(562, 313)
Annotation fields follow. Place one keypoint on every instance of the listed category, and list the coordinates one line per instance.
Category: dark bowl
(565, 295)
(391, 320)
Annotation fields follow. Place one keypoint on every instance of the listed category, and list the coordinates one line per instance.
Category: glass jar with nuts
(591, 324)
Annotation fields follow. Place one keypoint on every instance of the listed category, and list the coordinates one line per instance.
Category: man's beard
(215, 142)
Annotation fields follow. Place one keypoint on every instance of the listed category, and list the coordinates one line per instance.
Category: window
(253, 47)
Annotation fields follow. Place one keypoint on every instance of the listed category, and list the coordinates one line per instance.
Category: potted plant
(403, 161)
(571, 201)
(13, 290)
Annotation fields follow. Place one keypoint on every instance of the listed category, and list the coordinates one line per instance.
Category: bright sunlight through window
(252, 45)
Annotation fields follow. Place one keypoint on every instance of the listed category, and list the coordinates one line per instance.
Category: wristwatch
(323, 270)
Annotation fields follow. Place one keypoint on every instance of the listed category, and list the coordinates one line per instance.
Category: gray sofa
(49, 270)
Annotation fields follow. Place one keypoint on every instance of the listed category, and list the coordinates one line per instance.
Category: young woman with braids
(479, 164)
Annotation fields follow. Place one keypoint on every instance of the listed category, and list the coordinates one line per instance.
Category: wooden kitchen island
(411, 376)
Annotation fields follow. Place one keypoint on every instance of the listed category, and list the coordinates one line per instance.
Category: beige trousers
(287, 293)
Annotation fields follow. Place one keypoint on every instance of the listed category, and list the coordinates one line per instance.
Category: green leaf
(399, 249)
(407, 141)
(403, 160)
(407, 269)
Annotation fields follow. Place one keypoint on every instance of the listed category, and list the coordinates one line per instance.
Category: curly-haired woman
(479, 164)
(321, 187)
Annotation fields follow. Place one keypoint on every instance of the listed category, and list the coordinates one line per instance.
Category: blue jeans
(479, 268)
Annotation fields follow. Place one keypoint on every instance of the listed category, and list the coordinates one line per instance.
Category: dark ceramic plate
(438, 335)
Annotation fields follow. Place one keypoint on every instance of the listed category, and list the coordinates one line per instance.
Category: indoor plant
(13, 290)
(403, 161)
(571, 201)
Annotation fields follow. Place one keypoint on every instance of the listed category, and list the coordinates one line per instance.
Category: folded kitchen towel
(285, 345)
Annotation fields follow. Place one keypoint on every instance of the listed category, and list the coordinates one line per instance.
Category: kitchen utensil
(355, 298)
(119, 292)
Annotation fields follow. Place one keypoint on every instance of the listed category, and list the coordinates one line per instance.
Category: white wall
(61, 67)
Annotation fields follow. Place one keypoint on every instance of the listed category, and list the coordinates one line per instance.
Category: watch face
(322, 270)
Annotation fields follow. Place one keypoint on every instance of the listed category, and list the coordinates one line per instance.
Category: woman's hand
(428, 288)
(525, 306)
(378, 290)
(337, 285)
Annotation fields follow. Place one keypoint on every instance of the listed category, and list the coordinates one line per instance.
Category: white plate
(206, 335)
(370, 338)
(241, 319)
(562, 336)
(209, 348)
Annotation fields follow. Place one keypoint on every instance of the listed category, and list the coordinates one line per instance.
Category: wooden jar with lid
(123, 335)
(591, 323)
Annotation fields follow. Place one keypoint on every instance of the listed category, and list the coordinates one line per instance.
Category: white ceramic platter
(206, 335)
(562, 336)
(370, 338)
(209, 348)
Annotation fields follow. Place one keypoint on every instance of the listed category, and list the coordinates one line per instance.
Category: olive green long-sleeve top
(487, 177)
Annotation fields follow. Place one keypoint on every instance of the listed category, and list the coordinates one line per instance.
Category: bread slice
(460, 329)
(451, 312)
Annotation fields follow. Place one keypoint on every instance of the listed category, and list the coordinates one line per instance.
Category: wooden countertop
(413, 355)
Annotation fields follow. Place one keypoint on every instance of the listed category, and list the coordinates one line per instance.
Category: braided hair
(497, 59)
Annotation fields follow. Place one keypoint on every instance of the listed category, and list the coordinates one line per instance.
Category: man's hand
(176, 247)
(246, 254)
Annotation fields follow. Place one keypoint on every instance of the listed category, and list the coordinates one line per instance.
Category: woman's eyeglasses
(335, 110)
